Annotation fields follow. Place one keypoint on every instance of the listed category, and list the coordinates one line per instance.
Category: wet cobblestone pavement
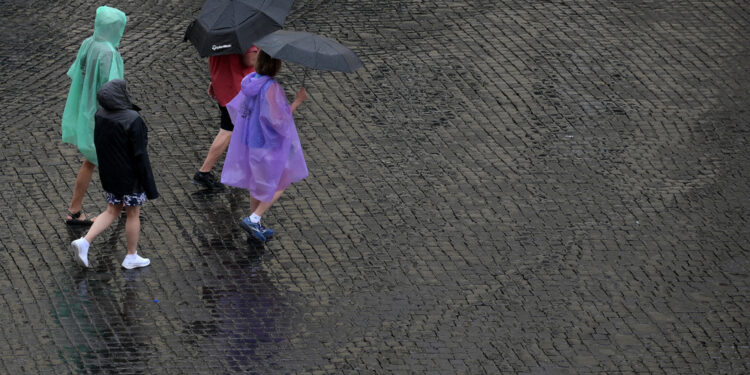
(542, 187)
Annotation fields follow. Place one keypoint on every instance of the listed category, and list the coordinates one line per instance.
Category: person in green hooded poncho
(97, 62)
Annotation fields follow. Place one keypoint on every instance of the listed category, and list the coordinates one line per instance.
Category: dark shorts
(226, 121)
(130, 200)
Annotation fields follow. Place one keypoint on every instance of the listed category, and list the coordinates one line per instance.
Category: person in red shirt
(227, 72)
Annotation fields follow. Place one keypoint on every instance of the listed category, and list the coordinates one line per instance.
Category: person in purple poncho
(265, 154)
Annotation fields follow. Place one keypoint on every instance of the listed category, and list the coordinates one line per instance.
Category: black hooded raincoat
(121, 137)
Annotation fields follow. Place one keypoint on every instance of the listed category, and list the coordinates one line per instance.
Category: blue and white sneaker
(254, 229)
(268, 232)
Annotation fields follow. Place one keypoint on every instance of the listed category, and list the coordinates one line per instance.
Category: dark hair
(267, 65)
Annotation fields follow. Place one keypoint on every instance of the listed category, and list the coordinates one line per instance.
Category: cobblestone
(527, 187)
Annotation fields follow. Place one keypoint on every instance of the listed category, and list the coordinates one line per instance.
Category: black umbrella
(233, 26)
(309, 50)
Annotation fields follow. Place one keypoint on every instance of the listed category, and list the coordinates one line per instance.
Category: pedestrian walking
(226, 72)
(98, 61)
(265, 153)
(121, 139)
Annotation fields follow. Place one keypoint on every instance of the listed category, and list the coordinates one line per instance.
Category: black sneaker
(206, 180)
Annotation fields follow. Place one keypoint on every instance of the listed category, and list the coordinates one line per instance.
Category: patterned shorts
(130, 200)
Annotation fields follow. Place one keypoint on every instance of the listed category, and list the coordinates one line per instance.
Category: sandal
(74, 219)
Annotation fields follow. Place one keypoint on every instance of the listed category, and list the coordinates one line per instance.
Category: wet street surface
(541, 187)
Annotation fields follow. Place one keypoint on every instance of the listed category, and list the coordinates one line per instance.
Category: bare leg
(219, 145)
(82, 184)
(132, 228)
(104, 220)
(262, 207)
(253, 204)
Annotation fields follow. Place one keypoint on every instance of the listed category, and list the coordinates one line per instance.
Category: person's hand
(301, 95)
(211, 91)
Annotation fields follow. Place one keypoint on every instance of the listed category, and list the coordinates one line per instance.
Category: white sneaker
(134, 261)
(79, 254)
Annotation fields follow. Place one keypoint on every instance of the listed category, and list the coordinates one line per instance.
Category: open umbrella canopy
(232, 26)
(309, 50)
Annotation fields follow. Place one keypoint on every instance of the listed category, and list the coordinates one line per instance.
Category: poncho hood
(253, 83)
(113, 96)
(109, 25)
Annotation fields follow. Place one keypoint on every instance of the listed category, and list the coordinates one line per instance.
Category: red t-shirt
(227, 72)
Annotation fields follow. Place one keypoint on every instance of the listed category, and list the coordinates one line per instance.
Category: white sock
(84, 245)
(131, 255)
(255, 219)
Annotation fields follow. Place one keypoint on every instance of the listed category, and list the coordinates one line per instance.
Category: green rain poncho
(98, 62)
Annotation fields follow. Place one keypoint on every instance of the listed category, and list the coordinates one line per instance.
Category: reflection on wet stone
(106, 322)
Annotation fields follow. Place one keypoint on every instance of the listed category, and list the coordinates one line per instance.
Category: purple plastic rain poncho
(265, 154)
(97, 63)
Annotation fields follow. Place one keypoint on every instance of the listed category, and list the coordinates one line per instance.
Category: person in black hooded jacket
(120, 137)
